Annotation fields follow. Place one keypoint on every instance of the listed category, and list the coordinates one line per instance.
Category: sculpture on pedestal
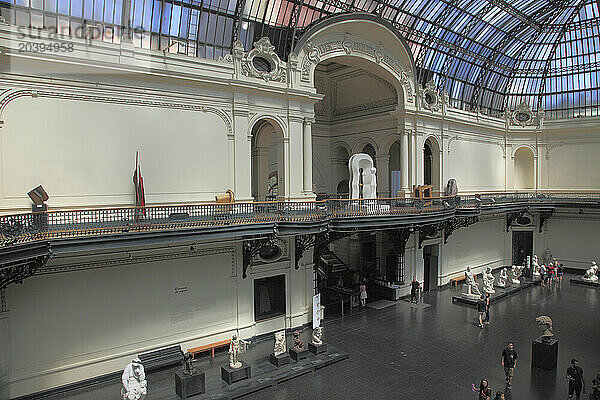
(488, 281)
(279, 343)
(236, 347)
(517, 271)
(591, 274)
(134, 381)
(298, 342)
(536, 267)
(503, 278)
(545, 324)
(188, 364)
(471, 282)
(317, 336)
(363, 179)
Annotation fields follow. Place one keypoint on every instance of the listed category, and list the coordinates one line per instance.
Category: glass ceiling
(489, 55)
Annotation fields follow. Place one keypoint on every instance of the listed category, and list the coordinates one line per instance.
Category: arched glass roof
(488, 55)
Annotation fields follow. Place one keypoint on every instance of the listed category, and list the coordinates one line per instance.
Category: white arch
(524, 145)
(362, 142)
(276, 121)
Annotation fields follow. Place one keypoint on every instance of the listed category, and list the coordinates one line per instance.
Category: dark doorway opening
(428, 160)
(369, 258)
(430, 266)
(522, 246)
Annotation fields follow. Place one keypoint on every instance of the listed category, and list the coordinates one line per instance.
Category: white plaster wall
(477, 166)
(83, 153)
(71, 326)
(479, 245)
(574, 240)
(574, 166)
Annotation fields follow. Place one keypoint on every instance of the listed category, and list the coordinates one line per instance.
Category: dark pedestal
(544, 354)
(298, 355)
(232, 375)
(189, 385)
(317, 348)
(280, 359)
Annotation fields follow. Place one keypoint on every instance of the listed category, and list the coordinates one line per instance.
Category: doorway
(430, 267)
(522, 245)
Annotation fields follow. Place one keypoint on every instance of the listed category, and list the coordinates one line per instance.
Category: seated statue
(134, 381)
(488, 281)
(317, 336)
(503, 278)
(516, 274)
(591, 274)
(472, 282)
(545, 324)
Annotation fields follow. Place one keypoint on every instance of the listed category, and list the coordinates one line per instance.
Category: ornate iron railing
(27, 227)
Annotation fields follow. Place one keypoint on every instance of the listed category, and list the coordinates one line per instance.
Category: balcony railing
(28, 227)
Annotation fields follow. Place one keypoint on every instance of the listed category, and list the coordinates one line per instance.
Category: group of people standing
(553, 272)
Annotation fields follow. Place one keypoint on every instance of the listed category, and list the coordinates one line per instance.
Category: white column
(308, 157)
(404, 163)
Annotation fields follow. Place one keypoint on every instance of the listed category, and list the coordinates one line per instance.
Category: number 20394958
(45, 47)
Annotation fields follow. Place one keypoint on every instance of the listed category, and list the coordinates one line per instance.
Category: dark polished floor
(437, 353)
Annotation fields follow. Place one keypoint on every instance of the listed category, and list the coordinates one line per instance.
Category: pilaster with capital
(296, 160)
(307, 153)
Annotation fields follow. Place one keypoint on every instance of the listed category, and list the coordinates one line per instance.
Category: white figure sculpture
(134, 381)
(363, 179)
(591, 274)
(471, 282)
(236, 347)
(503, 278)
(516, 274)
(536, 267)
(317, 336)
(279, 343)
(488, 281)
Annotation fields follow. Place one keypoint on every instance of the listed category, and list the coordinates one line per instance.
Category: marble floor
(400, 352)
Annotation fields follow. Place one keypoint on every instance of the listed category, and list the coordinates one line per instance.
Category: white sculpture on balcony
(134, 381)
(363, 179)
(591, 274)
(488, 281)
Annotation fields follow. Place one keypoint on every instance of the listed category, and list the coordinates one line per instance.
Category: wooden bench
(162, 358)
(454, 281)
(211, 347)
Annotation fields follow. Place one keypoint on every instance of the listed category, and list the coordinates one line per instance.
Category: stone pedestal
(189, 385)
(544, 354)
(280, 359)
(232, 375)
(317, 348)
(467, 292)
(298, 355)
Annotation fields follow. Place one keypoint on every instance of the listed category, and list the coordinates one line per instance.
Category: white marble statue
(517, 271)
(472, 282)
(134, 381)
(363, 178)
(545, 324)
(503, 278)
(488, 281)
(591, 275)
(317, 336)
(236, 347)
(535, 267)
(279, 343)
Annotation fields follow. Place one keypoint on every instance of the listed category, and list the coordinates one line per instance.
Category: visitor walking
(561, 272)
(415, 286)
(487, 308)
(543, 272)
(509, 363)
(485, 391)
(481, 310)
(575, 377)
(595, 395)
(499, 396)
(363, 294)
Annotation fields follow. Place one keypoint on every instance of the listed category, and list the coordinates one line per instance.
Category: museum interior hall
(299, 199)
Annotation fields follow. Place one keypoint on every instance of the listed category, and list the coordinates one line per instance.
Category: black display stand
(317, 348)
(580, 281)
(232, 375)
(544, 354)
(189, 385)
(280, 359)
(298, 355)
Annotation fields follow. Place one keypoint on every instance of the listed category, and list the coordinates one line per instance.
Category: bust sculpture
(545, 324)
(279, 343)
(516, 274)
(236, 347)
(134, 381)
(488, 281)
(591, 274)
(317, 336)
(503, 278)
(298, 342)
(471, 282)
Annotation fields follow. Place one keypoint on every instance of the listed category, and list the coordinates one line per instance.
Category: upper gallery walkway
(261, 218)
